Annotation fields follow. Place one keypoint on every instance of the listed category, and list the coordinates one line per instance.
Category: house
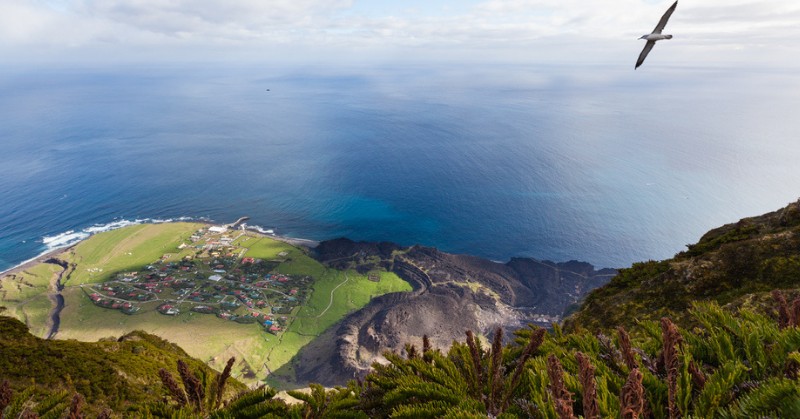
(168, 310)
(217, 229)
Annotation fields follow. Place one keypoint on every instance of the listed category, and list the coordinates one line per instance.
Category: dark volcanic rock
(342, 253)
(452, 294)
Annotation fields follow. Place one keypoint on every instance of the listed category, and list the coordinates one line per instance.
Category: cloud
(213, 18)
(507, 25)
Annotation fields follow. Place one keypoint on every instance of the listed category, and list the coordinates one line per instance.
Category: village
(210, 276)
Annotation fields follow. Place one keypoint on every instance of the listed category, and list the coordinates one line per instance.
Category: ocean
(604, 165)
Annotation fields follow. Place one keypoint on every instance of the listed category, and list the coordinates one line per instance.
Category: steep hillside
(452, 294)
(736, 264)
(120, 374)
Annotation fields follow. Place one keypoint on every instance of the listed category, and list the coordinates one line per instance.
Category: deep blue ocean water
(604, 165)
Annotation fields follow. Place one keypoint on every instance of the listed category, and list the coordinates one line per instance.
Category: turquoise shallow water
(600, 165)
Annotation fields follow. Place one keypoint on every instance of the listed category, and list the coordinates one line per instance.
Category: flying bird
(655, 35)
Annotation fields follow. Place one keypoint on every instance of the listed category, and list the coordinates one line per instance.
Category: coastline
(54, 253)
(293, 241)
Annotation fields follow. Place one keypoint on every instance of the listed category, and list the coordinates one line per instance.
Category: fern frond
(777, 397)
(718, 389)
(53, 405)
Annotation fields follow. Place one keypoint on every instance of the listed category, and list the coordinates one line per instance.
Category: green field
(350, 291)
(28, 283)
(36, 312)
(125, 249)
(333, 295)
(25, 296)
(203, 336)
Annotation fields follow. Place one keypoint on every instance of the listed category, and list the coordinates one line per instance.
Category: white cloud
(210, 18)
(513, 26)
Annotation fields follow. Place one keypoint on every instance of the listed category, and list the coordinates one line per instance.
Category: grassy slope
(205, 337)
(321, 311)
(737, 264)
(351, 291)
(125, 249)
(25, 296)
(122, 375)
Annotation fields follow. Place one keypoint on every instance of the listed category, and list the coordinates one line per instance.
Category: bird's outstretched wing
(664, 19)
(647, 47)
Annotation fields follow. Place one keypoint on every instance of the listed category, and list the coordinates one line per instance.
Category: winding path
(331, 302)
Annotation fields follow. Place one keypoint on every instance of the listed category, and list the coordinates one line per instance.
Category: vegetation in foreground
(730, 365)
(685, 356)
(119, 374)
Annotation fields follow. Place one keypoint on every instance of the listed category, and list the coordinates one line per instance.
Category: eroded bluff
(451, 294)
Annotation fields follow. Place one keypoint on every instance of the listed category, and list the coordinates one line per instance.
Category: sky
(575, 32)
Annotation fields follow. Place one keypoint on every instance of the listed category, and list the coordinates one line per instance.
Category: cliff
(734, 265)
(452, 294)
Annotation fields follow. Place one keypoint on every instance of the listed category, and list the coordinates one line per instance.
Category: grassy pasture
(302, 265)
(350, 292)
(266, 248)
(125, 249)
(202, 336)
(24, 294)
(29, 283)
(36, 313)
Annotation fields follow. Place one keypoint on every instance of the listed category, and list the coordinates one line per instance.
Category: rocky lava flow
(452, 294)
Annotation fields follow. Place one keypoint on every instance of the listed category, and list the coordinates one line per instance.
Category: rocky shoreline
(43, 258)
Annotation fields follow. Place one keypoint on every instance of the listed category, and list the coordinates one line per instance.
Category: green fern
(776, 397)
(19, 403)
(718, 389)
(319, 403)
(258, 403)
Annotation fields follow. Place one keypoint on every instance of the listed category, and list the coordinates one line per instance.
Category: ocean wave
(100, 228)
(260, 229)
(71, 237)
(65, 239)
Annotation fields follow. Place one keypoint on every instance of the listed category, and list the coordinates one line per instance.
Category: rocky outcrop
(451, 294)
(737, 264)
